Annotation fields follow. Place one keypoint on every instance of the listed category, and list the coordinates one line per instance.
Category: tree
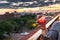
(16, 26)
(1, 30)
(31, 24)
(8, 26)
(5, 27)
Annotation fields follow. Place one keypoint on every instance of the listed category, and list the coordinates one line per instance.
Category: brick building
(6, 16)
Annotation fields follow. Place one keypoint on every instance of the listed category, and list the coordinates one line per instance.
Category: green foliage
(29, 16)
(29, 20)
(1, 30)
(1, 34)
(16, 24)
(8, 27)
(29, 24)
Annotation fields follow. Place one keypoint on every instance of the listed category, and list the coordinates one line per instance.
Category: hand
(41, 27)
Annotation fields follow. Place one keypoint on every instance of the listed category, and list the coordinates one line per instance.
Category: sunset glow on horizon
(37, 9)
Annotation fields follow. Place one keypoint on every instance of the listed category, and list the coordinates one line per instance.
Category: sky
(16, 0)
(9, 1)
(13, 2)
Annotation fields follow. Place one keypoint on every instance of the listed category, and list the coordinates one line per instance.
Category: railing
(35, 33)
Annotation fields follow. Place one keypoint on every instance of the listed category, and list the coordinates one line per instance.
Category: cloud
(4, 2)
